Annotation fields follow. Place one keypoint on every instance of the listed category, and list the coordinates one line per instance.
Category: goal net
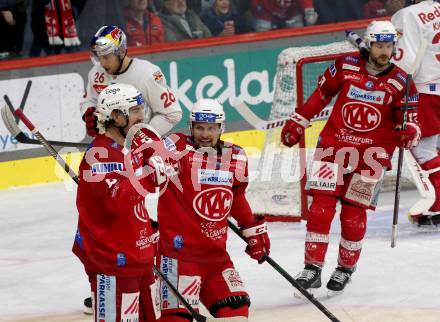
(278, 188)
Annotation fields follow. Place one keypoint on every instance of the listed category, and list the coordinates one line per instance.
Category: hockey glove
(148, 150)
(257, 239)
(293, 130)
(91, 121)
(410, 136)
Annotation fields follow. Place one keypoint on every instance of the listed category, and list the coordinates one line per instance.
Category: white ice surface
(39, 276)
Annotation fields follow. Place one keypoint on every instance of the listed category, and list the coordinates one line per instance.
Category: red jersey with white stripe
(114, 235)
(203, 191)
(367, 107)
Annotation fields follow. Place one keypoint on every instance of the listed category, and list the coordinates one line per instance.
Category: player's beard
(381, 61)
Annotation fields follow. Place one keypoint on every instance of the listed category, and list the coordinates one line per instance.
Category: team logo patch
(130, 307)
(99, 88)
(353, 77)
(215, 177)
(360, 117)
(324, 176)
(107, 167)
(369, 84)
(401, 77)
(376, 97)
(350, 67)
(106, 298)
(352, 59)
(333, 70)
(169, 144)
(189, 287)
(411, 99)
(213, 204)
(158, 76)
(169, 267)
(395, 83)
(233, 280)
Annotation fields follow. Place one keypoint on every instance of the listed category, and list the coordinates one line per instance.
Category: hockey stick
(412, 69)
(260, 124)
(197, 316)
(289, 278)
(11, 124)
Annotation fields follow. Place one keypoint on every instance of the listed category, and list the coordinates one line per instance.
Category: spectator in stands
(380, 8)
(12, 22)
(142, 24)
(222, 20)
(330, 11)
(202, 6)
(181, 23)
(274, 14)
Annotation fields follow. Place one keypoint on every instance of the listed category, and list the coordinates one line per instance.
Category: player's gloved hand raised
(91, 121)
(409, 137)
(148, 151)
(293, 130)
(257, 239)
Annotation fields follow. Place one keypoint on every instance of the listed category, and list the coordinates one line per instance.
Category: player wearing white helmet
(115, 238)
(415, 23)
(354, 150)
(207, 185)
(112, 65)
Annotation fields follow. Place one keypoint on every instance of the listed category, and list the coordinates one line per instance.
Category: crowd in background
(43, 27)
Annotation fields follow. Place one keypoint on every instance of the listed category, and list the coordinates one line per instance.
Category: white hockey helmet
(109, 40)
(207, 110)
(380, 31)
(117, 97)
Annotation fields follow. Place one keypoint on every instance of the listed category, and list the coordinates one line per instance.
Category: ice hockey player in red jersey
(115, 239)
(354, 148)
(415, 22)
(207, 185)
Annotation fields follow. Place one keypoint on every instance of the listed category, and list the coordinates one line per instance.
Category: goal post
(278, 188)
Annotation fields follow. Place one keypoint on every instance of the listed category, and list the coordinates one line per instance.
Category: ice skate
(338, 281)
(309, 278)
(88, 309)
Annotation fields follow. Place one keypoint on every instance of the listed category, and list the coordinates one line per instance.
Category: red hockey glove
(91, 121)
(293, 130)
(410, 137)
(148, 151)
(257, 239)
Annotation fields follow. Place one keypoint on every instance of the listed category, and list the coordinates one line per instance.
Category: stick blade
(9, 121)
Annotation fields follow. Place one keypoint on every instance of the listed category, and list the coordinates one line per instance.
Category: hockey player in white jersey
(418, 21)
(112, 65)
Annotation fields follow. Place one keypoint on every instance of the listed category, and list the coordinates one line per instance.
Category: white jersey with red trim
(416, 22)
(164, 108)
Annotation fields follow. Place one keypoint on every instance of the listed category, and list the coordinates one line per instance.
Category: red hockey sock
(353, 228)
(319, 220)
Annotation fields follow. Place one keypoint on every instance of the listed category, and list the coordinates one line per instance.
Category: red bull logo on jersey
(360, 117)
(213, 204)
(427, 17)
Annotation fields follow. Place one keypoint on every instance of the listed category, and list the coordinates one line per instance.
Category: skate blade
(331, 293)
(299, 295)
(87, 310)
(428, 229)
